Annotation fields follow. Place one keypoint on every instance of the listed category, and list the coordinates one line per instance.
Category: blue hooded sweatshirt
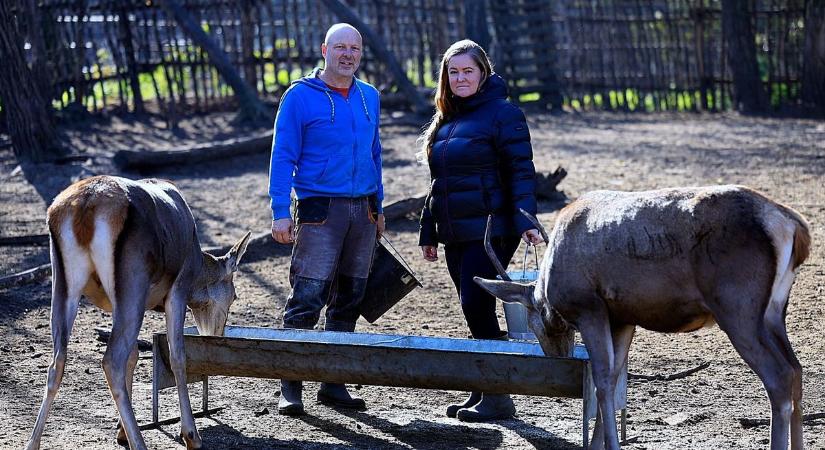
(325, 144)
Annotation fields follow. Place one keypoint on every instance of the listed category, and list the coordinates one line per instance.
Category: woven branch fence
(125, 56)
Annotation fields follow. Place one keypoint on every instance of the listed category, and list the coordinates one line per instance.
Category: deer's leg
(175, 314)
(776, 333)
(130, 374)
(65, 299)
(131, 286)
(759, 348)
(596, 334)
(787, 352)
(621, 336)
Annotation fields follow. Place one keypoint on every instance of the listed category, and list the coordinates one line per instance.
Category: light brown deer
(130, 246)
(673, 260)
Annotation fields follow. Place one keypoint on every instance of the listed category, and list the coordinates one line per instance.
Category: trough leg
(156, 368)
(205, 401)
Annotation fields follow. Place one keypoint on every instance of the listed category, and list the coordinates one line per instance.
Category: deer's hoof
(193, 440)
(121, 438)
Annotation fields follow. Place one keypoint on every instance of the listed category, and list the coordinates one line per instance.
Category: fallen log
(405, 207)
(28, 239)
(103, 335)
(671, 377)
(547, 185)
(27, 276)
(748, 422)
(145, 159)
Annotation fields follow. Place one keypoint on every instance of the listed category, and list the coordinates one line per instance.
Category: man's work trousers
(331, 260)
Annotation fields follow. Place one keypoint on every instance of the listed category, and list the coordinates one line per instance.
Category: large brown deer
(672, 260)
(130, 246)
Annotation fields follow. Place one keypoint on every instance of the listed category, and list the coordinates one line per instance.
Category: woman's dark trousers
(466, 260)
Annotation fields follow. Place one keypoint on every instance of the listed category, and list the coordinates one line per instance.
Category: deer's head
(554, 333)
(218, 292)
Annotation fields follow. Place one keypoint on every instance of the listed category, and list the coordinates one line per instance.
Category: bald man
(326, 148)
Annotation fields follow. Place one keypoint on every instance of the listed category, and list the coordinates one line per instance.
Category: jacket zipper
(446, 185)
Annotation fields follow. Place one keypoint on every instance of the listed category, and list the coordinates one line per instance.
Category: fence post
(748, 92)
(813, 80)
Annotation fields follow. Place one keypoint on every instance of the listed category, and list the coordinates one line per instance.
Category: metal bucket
(515, 314)
(390, 280)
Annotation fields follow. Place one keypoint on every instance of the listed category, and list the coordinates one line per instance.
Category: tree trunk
(247, 44)
(475, 21)
(126, 37)
(28, 117)
(377, 45)
(813, 73)
(748, 93)
(251, 107)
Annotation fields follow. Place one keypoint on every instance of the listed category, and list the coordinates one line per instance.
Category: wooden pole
(377, 45)
(251, 107)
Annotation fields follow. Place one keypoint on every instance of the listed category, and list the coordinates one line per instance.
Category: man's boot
(335, 394)
(290, 403)
(472, 400)
(491, 407)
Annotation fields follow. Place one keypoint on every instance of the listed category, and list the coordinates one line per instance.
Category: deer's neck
(207, 274)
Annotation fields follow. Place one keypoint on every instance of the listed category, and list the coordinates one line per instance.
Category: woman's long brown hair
(445, 101)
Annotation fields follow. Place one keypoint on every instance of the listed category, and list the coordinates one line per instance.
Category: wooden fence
(128, 55)
(635, 54)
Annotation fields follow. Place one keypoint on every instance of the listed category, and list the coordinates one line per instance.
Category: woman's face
(465, 75)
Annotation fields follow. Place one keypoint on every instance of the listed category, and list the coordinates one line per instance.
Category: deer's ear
(237, 251)
(509, 291)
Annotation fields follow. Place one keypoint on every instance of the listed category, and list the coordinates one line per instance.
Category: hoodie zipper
(354, 146)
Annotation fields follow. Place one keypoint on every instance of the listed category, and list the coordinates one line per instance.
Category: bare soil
(785, 158)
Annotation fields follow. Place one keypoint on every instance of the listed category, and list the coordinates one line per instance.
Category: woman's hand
(430, 252)
(532, 237)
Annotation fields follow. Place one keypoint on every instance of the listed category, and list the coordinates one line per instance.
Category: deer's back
(97, 220)
(657, 257)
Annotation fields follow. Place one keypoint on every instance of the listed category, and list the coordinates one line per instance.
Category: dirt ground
(785, 158)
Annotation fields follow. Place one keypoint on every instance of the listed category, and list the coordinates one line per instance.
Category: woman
(478, 149)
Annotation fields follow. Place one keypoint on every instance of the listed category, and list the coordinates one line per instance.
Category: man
(326, 148)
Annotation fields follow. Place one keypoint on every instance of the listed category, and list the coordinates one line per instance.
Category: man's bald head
(341, 50)
(342, 28)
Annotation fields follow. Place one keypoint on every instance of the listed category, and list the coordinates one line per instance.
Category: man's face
(342, 53)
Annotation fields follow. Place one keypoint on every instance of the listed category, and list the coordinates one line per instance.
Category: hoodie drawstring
(363, 102)
(331, 105)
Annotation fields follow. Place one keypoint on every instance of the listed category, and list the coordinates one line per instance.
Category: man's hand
(282, 230)
(430, 252)
(380, 226)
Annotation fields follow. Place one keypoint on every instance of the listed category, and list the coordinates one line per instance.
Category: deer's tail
(86, 220)
(801, 237)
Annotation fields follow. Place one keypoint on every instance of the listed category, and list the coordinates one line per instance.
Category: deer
(670, 260)
(129, 246)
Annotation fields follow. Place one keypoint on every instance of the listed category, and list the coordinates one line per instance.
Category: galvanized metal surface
(387, 360)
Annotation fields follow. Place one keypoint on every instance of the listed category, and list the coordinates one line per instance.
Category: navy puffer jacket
(481, 163)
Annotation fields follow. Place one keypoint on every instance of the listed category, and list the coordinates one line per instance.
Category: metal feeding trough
(385, 360)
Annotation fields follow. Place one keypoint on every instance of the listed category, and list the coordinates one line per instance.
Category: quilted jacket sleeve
(517, 169)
